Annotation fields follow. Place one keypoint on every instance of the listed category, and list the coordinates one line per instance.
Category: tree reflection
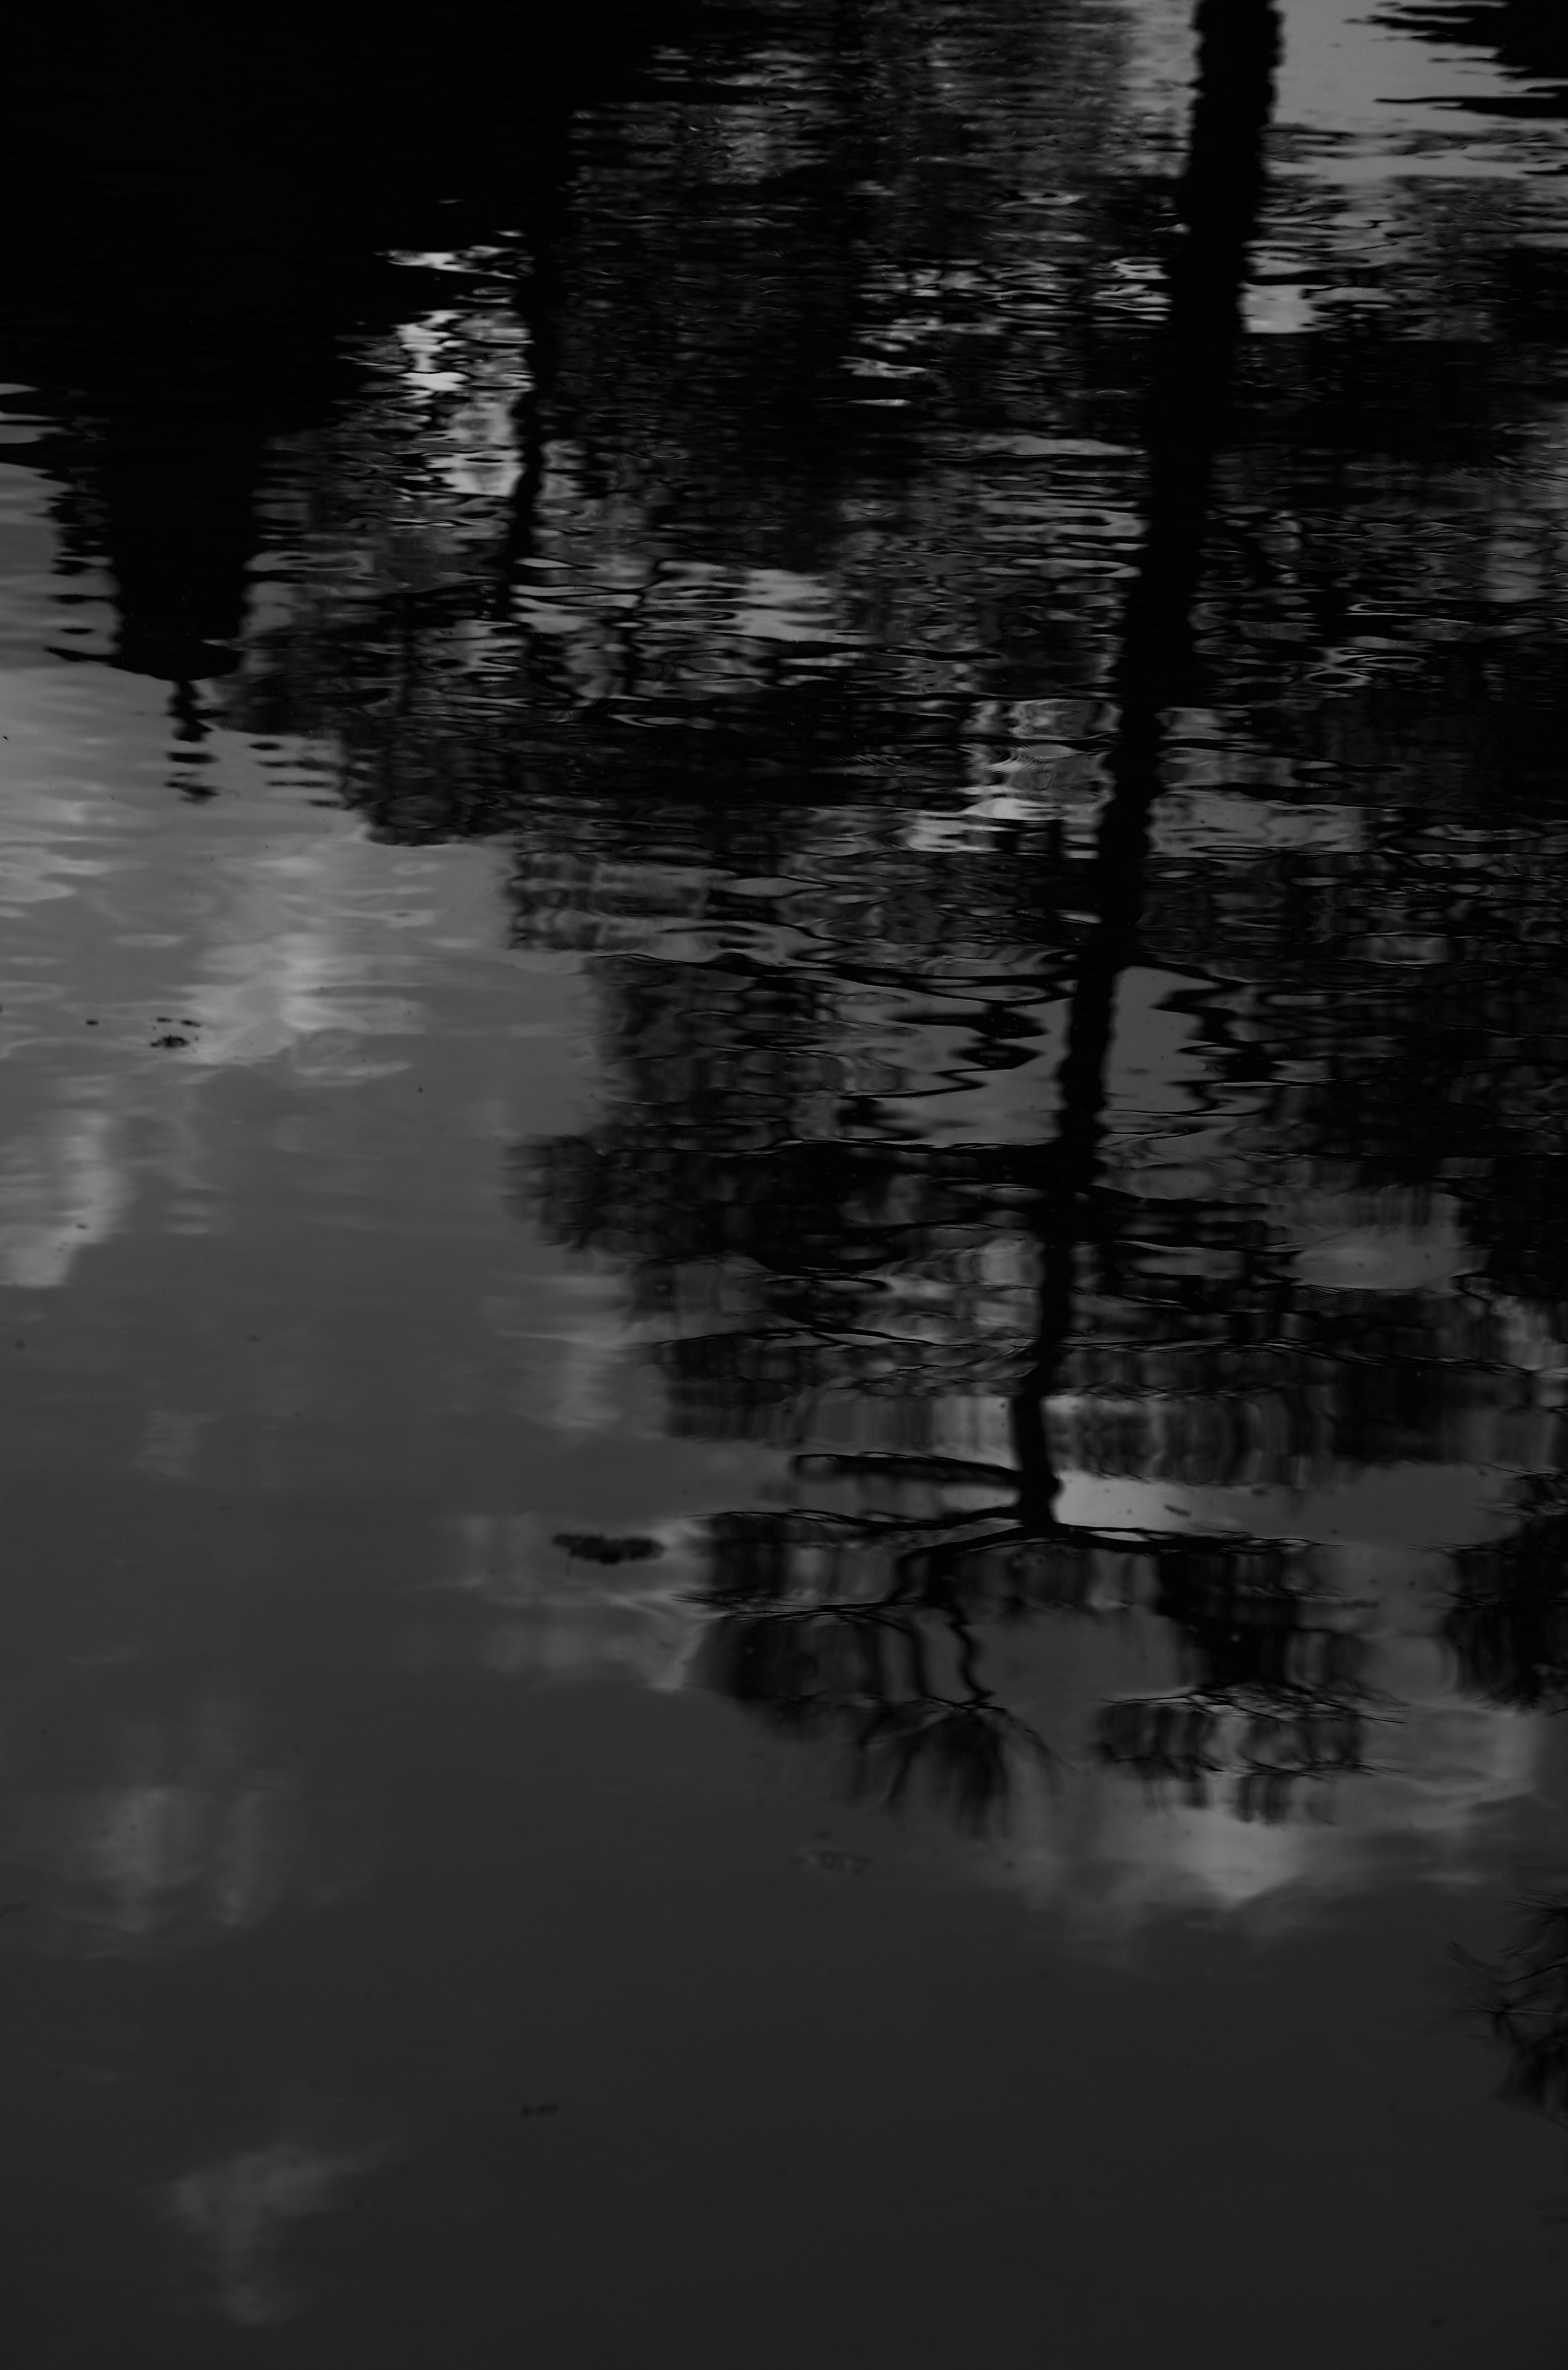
(1046, 782)
(826, 1662)
(1508, 1623)
(1217, 203)
(1522, 1998)
(1012, 653)
(813, 1254)
(1279, 1688)
(897, 1680)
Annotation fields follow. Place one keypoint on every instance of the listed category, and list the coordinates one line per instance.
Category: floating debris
(599, 1547)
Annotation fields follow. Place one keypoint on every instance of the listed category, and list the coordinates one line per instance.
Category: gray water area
(783, 1310)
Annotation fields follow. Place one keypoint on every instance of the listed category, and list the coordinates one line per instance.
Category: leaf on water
(602, 1547)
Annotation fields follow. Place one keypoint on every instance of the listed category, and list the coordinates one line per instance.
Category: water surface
(782, 1303)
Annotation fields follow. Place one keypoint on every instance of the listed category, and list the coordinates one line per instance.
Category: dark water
(783, 1297)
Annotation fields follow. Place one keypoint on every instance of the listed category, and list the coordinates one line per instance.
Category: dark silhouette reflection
(826, 1663)
(1529, 35)
(1053, 779)
(1521, 1998)
(864, 1675)
(176, 338)
(1218, 205)
(1279, 1688)
(1508, 1624)
(956, 1327)
(995, 587)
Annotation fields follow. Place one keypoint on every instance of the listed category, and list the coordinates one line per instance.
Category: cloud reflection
(62, 1190)
(1110, 1856)
(236, 2213)
(192, 1842)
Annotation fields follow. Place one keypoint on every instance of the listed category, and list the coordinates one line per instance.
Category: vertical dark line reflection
(541, 300)
(1218, 201)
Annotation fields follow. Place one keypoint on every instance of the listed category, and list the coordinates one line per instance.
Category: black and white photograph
(784, 1185)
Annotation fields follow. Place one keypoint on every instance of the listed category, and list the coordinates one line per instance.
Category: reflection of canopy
(183, 338)
(1529, 38)
(1109, 1857)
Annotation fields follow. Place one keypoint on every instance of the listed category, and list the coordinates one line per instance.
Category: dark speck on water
(595, 1547)
(840, 728)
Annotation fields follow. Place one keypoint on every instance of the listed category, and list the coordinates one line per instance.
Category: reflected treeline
(1530, 35)
(1029, 1348)
(173, 343)
(805, 417)
(1508, 1625)
(1007, 602)
(716, 519)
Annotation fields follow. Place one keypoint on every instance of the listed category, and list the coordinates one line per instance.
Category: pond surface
(783, 1301)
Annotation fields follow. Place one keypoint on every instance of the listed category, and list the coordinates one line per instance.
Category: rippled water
(783, 1308)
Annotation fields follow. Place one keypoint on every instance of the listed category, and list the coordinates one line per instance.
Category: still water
(783, 1308)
